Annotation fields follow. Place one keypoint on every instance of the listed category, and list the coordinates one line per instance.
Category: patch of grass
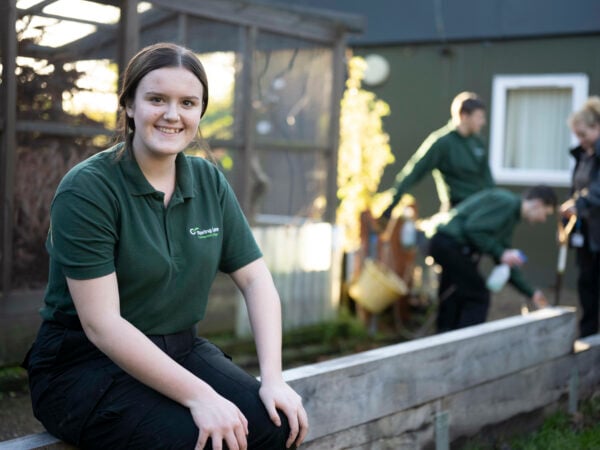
(12, 380)
(560, 431)
(344, 335)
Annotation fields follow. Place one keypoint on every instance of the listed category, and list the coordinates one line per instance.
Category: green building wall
(424, 78)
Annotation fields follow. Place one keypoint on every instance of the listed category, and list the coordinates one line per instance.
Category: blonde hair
(465, 103)
(588, 115)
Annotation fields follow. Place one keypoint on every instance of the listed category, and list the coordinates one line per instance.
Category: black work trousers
(588, 287)
(85, 399)
(463, 297)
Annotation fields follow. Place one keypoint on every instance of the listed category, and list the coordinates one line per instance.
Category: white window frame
(578, 82)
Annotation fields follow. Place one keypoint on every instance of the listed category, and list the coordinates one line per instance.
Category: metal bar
(573, 390)
(100, 25)
(441, 431)
(248, 119)
(182, 20)
(283, 145)
(243, 16)
(35, 9)
(60, 129)
(337, 92)
(8, 148)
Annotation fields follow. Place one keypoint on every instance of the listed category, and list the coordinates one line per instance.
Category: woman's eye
(155, 99)
(188, 103)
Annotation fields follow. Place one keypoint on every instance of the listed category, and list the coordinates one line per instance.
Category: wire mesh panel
(293, 84)
(290, 183)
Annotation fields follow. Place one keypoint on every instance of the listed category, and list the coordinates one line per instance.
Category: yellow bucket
(377, 287)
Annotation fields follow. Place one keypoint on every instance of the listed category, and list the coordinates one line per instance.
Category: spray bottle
(500, 275)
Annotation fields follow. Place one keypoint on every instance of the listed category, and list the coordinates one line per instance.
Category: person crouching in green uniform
(483, 224)
(454, 154)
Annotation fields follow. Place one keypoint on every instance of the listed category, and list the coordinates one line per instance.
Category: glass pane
(293, 90)
(208, 36)
(537, 136)
(295, 183)
(218, 120)
(159, 25)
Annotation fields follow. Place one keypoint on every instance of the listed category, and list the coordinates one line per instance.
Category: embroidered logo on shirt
(206, 233)
(479, 152)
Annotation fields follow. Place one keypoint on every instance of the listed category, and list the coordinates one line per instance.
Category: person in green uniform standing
(483, 224)
(455, 155)
(137, 235)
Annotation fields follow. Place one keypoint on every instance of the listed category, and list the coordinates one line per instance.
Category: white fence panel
(305, 261)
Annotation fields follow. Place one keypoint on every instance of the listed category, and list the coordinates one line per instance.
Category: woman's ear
(129, 110)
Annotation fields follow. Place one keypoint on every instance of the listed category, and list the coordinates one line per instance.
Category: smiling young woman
(138, 233)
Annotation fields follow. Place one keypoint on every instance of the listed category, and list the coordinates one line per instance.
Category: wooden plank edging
(386, 380)
(38, 441)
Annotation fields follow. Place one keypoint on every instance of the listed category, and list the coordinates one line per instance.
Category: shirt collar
(139, 185)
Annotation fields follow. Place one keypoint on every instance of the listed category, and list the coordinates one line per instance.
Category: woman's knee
(268, 436)
(170, 428)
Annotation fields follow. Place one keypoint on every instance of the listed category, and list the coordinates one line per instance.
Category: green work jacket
(486, 221)
(458, 164)
(106, 217)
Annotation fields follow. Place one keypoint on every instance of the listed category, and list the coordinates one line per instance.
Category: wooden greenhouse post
(337, 92)
(8, 148)
(129, 33)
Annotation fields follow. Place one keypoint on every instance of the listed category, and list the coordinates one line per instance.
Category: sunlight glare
(98, 84)
(142, 7)
(220, 70)
(85, 10)
(26, 4)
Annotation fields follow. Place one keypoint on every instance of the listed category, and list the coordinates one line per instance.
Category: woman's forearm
(97, 304)
(143, 360)
(264, 311)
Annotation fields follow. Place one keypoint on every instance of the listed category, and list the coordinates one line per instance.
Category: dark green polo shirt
(459, 166)
(486, 222)
(106, 217)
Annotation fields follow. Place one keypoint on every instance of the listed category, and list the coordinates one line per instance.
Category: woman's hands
(539, 299)
(512, 257)
(220, 420)
(567, 209)
(279, 395)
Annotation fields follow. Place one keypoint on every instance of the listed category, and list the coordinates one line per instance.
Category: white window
(529, 136)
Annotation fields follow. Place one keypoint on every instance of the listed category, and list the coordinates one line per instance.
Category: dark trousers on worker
(463, 297)
(588, 287)
(82, 397)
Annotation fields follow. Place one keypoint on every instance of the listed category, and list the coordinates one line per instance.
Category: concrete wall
(430, 392)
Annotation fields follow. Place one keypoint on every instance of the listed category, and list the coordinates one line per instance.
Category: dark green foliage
(43, 157)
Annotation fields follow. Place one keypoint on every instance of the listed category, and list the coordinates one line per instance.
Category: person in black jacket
(585, 203)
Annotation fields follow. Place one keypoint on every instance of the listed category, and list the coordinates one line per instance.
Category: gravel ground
(16, 418)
